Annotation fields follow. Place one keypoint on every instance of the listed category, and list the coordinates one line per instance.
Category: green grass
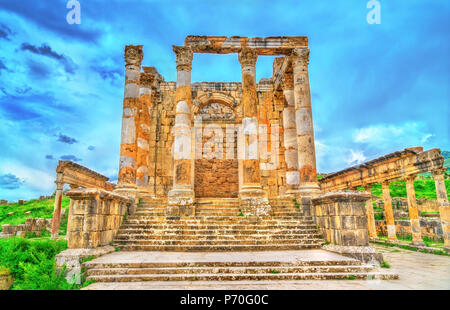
(32, 263)
(424, 213)
(38, 208)
(424, 189)
(385, 265)
(274, 271)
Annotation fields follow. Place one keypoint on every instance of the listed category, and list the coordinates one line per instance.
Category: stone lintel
(263, 46)
(95, 193)
(77, 175)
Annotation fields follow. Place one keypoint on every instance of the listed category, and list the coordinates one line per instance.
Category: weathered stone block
(75, 223)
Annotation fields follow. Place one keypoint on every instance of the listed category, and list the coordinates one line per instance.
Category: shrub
(385, 265)
(32, 263)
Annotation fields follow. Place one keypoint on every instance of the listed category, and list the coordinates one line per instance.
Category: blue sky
(375, 88)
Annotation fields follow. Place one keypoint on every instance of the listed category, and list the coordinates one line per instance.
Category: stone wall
(429, 228)
(342, 218)
(34, 225)
(94, 217)
(216, 178)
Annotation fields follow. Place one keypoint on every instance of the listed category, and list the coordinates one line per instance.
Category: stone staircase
(218, 225)
(218, 244)
(229, 266)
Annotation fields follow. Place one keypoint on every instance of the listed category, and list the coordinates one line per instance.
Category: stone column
(390, 222)
(371, 226)
(56, 218)
(252, 197)
(303, 116)
(290, 136)
(143, 132)
(441, 191)
(128, 146)
(444, 208)
(413, 211)
(182, 192)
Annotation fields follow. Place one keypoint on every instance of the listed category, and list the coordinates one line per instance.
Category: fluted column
(390, 222)
(143, 132)
(371, 225)
(128, 145)
(182, 192)
(413, 211)
(290, 136)
(56, 218)
(444, 208)
(251, 193)
(303, 116)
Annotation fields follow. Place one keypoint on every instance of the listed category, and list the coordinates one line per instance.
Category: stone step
(217, 247)
(241, 277)
(212, 263)
(216, 220)
(145, 230)
(234, 226)
(230, 270)
(128, 236)
(188, 242)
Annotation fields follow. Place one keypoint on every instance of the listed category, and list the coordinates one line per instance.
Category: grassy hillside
(424, 189)
(38, 208)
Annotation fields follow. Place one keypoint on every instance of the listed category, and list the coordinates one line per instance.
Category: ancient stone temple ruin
(230, 167)
(160, 118)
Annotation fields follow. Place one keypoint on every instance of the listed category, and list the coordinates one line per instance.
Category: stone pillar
(342, 218)
(308, 183)
(56, 218)
(252, 197)
(413, 211)
(128, 145)
(371, 226)
(390, 222)
(290, 136)
(181, 196)
(441, 191)
(143, 132)
(444, 208)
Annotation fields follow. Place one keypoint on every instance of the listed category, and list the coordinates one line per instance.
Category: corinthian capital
(300, 56)
(133, 55)
(248, 57)
(184, 58)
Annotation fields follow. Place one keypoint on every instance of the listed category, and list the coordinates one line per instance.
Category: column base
(292, 193)
(180, 202)
(253, 201)
(129, 190)
(308, 189)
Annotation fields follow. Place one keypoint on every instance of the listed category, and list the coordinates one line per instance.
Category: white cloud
(355, 157)
(385, 135)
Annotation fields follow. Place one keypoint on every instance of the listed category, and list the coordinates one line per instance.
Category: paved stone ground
(416, 270)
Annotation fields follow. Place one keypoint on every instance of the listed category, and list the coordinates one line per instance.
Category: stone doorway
(215, 176)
